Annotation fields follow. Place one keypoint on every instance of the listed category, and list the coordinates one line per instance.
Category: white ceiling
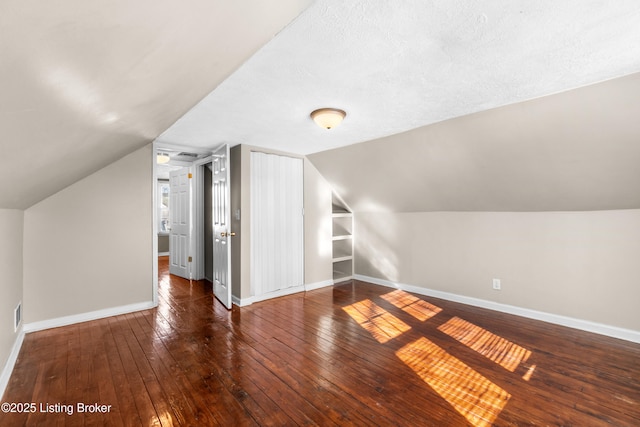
(84, 83)
(398, 65)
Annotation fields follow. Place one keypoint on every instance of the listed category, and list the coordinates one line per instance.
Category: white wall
(88, 247)
(573, 151)
(11, 228)
(584, 265)
(317, 227)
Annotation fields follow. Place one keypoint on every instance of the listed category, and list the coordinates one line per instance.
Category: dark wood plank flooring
(355, 354)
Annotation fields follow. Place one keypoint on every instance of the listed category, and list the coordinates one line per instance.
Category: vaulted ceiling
(85, 83)
(573, 151)
(399, 65)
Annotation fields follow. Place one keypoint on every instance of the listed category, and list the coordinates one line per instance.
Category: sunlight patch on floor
(383, 325)
(529, 373)
(412, 305)
(475, 397)
(495, 348)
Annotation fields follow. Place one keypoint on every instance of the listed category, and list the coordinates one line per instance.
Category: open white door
(180, 220)
(221, 226)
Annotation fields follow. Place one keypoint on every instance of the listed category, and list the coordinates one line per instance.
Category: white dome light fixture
(328, 118)
(162, 158)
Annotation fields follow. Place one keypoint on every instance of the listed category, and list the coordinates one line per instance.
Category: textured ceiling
(399, 65)
(83, 83)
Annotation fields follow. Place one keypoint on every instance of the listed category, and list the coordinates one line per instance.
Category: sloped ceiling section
(396, 65)
(84, 83)
(578, 150)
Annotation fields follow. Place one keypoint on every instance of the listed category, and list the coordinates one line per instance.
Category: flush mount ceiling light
(328, 118)
(162, 158)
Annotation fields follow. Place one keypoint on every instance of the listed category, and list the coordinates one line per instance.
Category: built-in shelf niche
(342, 244)
(342, 250)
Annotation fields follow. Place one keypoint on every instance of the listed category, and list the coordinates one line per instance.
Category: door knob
(223, 234)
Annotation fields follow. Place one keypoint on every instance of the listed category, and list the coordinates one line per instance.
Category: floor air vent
(17, 317)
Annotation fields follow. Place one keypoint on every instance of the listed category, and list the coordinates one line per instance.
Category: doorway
(177, 158)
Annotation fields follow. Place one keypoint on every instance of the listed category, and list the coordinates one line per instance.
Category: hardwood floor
(354, 354)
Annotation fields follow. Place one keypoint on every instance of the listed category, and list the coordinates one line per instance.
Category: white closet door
(277, 228)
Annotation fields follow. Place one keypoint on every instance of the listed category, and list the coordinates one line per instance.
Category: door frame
(197, 238)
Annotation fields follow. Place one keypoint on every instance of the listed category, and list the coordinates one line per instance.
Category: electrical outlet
(496, 284)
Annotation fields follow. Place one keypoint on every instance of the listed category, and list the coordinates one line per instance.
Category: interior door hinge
(190, 259)
(190, 175)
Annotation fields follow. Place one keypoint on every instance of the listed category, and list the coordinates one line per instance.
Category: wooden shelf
(337, 209)
(340, 276)
(342, 237)
(342, 258)
(342, 249)
(342, 226)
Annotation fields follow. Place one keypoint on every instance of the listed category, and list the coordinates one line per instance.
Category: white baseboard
(343, 279)
(242, 302)
(278, 293)
(584, 325)
(57, 322)
(318, 285)
(85, 317)
(163, 253)
(11, 362)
